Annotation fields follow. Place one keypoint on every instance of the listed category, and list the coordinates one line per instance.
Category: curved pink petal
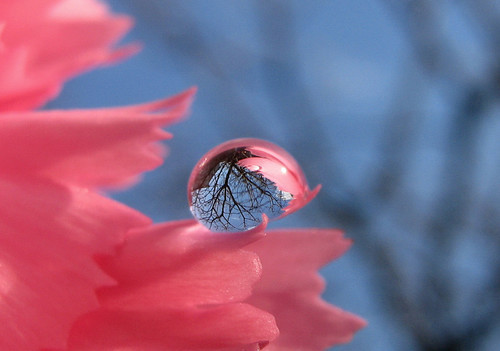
(230, 327)
(176, 265)
(48, 235)
(58, 39)
(101, 147)
(290, 289)
(179, 287)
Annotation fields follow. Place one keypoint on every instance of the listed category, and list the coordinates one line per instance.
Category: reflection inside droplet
(237, 182)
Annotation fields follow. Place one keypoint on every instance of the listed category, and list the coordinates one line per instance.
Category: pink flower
(181, 287)
(79, 271)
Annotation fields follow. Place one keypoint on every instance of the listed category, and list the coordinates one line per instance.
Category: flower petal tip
(312, 194)
(123, 53)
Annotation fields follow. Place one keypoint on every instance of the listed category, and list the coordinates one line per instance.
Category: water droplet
(239, 181)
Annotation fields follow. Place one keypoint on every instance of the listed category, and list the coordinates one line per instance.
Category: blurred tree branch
(457, 208)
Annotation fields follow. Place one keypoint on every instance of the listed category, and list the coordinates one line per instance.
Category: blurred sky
(322, 89)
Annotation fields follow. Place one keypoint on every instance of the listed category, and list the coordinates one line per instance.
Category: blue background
(392, 105)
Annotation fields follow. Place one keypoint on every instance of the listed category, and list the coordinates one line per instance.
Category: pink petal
(179, 264)
(57, 44)
(68, 9)
(230, 327)
(178, 288)
(290, 288)
(48, 278)
(102, 147)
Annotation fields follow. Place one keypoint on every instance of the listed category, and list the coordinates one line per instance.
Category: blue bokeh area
(392, 105)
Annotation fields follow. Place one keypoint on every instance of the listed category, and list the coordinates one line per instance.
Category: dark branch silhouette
(227, 196)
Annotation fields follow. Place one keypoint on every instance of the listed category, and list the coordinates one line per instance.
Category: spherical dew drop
(236, 183)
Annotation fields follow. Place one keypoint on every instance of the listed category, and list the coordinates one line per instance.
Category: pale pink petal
(290, 289)
(48, 278)
(101, 147)
(15, 85)
(178, 288)
(12, 10)
(230, 327)
(179, 264)
(57, 44)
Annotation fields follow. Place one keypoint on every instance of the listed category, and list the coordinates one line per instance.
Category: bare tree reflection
(227, 196)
